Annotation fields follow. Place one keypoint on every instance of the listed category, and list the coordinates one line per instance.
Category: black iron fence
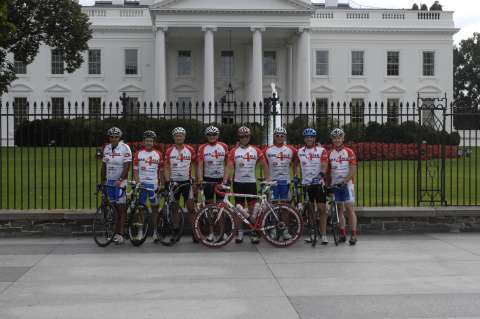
(424, 152)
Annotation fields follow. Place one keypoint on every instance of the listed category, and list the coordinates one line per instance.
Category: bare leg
(352, 218)
(341, 217)
(323, 219)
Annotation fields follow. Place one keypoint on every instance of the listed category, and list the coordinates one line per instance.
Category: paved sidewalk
(408, 276)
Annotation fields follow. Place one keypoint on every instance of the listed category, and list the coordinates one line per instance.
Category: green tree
(466, 61)
(424, 7)
(25, 25)
(436, 6)
(415, 7)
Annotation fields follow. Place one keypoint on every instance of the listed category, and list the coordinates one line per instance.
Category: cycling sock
(354, 233)
(343, 232)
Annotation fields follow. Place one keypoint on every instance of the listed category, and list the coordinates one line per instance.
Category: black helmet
(149, 134)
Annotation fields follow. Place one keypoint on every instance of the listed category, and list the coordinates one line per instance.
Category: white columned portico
(257, 65)
(303, 67)
(160, 65)
(209, 65)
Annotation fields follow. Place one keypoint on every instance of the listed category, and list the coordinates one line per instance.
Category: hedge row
(91, 132)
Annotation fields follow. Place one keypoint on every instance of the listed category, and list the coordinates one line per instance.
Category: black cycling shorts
(184, 190)
(209, 189)
(316, 193)
(245, 188)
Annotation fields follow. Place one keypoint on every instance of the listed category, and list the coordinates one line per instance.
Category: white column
(160, 65)
(209, 66)
(290, 75)
(257, 66)
(303, 67)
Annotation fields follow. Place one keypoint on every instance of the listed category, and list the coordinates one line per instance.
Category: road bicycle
(309, 211)
(333, 218)
(105, 218)
(279, 224)
(139, 215)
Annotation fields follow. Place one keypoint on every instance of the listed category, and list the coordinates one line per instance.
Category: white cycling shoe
(118, 239)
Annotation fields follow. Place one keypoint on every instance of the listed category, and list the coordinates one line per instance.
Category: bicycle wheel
(333, 222)
(103, 227)
(312, 224)
(214, 227)
(282, 226)
(139, 225)
(170, 229)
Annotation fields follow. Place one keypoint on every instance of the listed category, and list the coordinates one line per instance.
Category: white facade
(309, 52)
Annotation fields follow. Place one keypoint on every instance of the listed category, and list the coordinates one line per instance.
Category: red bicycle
(215, 225)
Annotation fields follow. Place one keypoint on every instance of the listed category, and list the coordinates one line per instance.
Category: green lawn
(65, 178)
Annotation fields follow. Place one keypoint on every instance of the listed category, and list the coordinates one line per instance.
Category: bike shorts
(317, 193)
(346, 194)
(151, 194)
(245, 188)
(209, 189)
(185, 191)
(281, 191)
(115, 194)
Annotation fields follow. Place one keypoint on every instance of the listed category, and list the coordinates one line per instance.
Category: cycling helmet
(280, 130)
(179, 130)
(149, 134)
(244, 131)
(212, 130)
(114, 132)
(309, 132)
(337, 132)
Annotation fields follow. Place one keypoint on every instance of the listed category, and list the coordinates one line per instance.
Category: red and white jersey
(180, 162)
(310, 161)
(114, 160)
(340, 162)
(213, 157)
(279, 160)
(245, 161)
(148, 165)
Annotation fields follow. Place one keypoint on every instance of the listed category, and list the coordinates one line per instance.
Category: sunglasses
(212, 134)
(244, 136)
(280, 135)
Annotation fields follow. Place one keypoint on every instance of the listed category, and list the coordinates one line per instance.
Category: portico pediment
(233, 5)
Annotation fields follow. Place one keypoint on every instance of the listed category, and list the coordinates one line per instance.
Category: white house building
(190, 50)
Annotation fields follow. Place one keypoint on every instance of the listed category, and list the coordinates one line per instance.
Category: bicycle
(105, 219)
(309, 211)
(172, 221)
(273, 222)
(333, 218)
(139, 216)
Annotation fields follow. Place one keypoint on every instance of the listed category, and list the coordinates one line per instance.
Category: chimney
(331, 3)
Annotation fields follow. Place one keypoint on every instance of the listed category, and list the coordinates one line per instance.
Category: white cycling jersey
(115, 158)
(310, 161)
(213, 157)
(340, 162)
(180, 162)
(279, 160)
(245, 161)
(148, 165)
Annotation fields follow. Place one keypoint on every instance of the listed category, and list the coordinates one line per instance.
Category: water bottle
(243, 211)
(256, 211)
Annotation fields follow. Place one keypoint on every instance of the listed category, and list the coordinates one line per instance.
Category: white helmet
(179, 130)
(212, 130)
(244, 131)
(280, 130)
(337, 132)
(115, 132)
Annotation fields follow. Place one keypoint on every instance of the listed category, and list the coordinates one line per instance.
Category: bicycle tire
(105, 217)
(312, 224)
(202, 224)
(294, 226)
(166, 228)
(146, 225)
(334, 224)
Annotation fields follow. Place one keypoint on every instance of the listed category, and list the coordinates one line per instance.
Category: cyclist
(242, 162)
(281, 158)
(211, 159)
(117, 158)
(314, 164)
(179, 160)
(148, 172)
(343, 167)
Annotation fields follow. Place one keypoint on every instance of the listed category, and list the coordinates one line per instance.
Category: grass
(52, 178)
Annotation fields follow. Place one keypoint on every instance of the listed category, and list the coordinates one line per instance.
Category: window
(20, 67)
(94, 106)
(184, 108)
(270, 63)
(358, 63)
(132, 106)
(94, 61)
(57, 62)
(20, 111)
(428, 63)
(184, 63)
(58, 107)
(393, 63)
(131, 61)
(322, 63)
(392, 110)
(322, 111)
(227, 64)
(358, 111)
